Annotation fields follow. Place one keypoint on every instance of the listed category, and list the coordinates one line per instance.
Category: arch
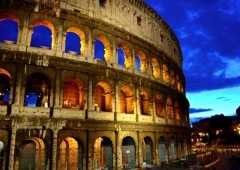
(162, 149)
(70, 154)
(8, 28)
(103, 153)
(73, 93)
(173, 148)
(178, 83)
(170, 109)
(172, 78)
(102, 48)
(177, 111)
(32, 154)
(5, 85)
(124, 56)
(43, 34)
(155, 68)
(126, 100)
(159, 106)
(103, 97)
(76, 35)
(141, 57)
(165, 73)
(147, 150)
(1, 153)
(128, 152)
(144, 103)
(37, 91)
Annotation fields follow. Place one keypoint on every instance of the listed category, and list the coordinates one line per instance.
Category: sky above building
(209, 35)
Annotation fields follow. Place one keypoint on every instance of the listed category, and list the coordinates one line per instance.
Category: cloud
(198, 110)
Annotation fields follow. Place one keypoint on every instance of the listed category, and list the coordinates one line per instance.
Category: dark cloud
(208, 32)
(198, 110)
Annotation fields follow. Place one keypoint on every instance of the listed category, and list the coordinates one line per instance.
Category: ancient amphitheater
(89, 84)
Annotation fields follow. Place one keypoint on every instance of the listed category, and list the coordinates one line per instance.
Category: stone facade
(69, 109)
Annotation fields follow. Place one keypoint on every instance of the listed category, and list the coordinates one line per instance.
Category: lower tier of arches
(41, 143)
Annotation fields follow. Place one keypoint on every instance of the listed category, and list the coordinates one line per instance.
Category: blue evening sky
(209, 35)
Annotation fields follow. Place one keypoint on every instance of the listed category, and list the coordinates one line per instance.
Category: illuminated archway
(162, 149)
(141, 62)
(128, 153)
(8, 28)
(177, 111)
(73, 94)
(170, 109)
(71, 154)
(75, 41)
(155, 68)
(32, 154)
(159, 106)
(173, 148)
(172, 78)
(37, 91)
(102, 48)
(144, 103)
(103, 97)
(43, 34)
(147, 150)
(165, 73)
(103, 153)
(5, 85)
(124, 56)
(126, 100)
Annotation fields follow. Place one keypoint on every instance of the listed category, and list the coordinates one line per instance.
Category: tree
(238, 111)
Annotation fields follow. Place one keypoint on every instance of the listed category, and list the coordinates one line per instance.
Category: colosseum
(90, 85)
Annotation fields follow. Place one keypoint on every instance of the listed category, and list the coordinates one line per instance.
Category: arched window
(121, 57)
(177, 111)
(170, 109)
(103, 99)
(128, 153)
(43, 34)
(162, 149)
(37, 91)
(144, 103)
(141, 62)
(102, 48)
(5, 84)
(165, 73)
(155, 68)
(126, 100)
(159, 105)
(8, 31)
(173, 148)
(148, 153)
(73, 94)
(173, 80)
(124, 56)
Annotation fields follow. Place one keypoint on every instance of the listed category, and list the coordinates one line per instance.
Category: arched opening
(124, 56)
(144, 103)
(162, 150)
(141, 62)
(1, 153)
(103, 153)
(181, 148)
(155, 68)
(170, 109)
(159, 106)
(37, 91)
(8, 29)
(73, 94)
(177, 111)
(147, 151)
(128, 153)
(173, 149)
(5, 84)
(173, 80)
(32, 154)
(126, 100)
(71, 154)
(103, 97)
(102, 48)
(75, 41)
(42, 36)
(165, 73)
(178, 83)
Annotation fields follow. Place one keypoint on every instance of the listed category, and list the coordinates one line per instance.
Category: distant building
(89, 84)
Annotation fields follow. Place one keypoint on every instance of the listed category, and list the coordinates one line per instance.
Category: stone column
(12, 147)
(57, 89)
(90, 52)
(114, 52)
(117, 102)
(137, 103)
(18, 85)
(90, 102)
(54, 150)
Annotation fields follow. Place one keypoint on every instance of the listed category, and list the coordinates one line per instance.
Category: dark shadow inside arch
(8, 31)
(162, 149)
(128, 153)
